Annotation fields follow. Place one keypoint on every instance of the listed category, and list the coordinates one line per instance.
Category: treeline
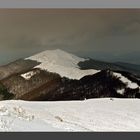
(4, 94)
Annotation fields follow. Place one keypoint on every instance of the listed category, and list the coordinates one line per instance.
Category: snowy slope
(28, 75)
(87, 115)
(125, 80)
(61, 62)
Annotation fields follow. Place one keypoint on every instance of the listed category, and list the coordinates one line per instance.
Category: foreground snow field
(88, 115)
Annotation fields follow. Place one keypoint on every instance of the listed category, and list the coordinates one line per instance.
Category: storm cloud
(110, 35)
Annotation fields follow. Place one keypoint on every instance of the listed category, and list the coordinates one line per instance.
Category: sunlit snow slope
(87, 115)
(61, 62)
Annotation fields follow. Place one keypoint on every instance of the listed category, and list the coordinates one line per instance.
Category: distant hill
(101, 65)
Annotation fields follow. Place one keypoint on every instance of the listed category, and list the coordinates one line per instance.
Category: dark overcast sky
(109, 35)
(70, 3)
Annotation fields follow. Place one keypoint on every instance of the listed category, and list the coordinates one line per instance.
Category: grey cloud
(70, 4)
(86, 34)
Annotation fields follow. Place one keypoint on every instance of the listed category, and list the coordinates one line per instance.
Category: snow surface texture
(88, 115)
(61, 62)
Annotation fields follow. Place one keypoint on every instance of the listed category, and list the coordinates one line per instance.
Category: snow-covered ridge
(125, 80)
(61, 62)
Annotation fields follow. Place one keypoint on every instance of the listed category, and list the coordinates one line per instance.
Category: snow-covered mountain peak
(61, 62)
(58, 57)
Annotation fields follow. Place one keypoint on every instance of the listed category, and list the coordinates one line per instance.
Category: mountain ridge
(57, 75)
